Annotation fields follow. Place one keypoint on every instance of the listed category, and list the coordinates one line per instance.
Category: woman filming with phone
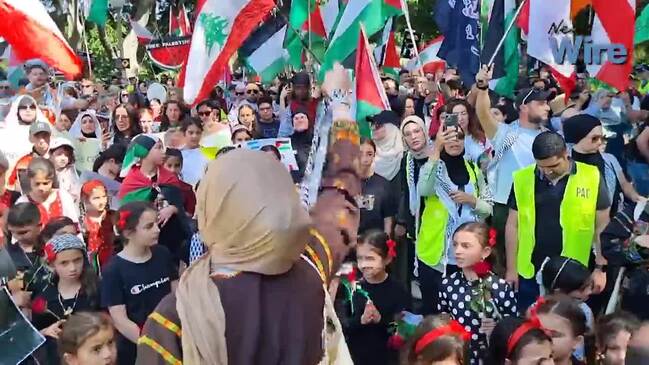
(455, 192)
(476, 146)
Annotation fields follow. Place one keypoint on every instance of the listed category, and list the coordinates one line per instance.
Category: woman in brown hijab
(257, 296)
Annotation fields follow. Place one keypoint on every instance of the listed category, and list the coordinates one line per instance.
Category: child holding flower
(368, 306)
(475, 296)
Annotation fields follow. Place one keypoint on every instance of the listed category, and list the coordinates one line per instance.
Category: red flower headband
(123, 216)
(392, 249)
(493, 234)
(532, 323)
(452, 328)
(89, 186)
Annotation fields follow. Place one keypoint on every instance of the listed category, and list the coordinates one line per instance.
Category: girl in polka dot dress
(475, 296)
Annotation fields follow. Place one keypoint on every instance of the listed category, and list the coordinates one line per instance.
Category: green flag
(642, 27)
(98, 12)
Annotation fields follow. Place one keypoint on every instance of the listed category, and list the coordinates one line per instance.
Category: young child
(39, 135)
(174, 162)
(561, 275)
(138, 277)
(475, 296)
(369, 306)
(24, 224)
(72, 288)
(517, 341)
(58, 226)
(563, 318)
(88, 339)
(62, 156)
(97, 225)
(437, 340)
(149, 181)
(613, 334)
(194, 161)
(51, 202)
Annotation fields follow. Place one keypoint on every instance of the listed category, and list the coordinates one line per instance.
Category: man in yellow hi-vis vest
(557, 207)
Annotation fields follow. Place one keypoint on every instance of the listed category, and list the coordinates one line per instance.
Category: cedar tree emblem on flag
(215, 27)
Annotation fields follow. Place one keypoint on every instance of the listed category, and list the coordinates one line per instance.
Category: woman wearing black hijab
(585, 134)
(301, 141)
(455, 192)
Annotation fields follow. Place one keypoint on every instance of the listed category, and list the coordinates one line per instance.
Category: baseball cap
(384, 117)
(38, 127)
(301, 78)
(533, 94)
(59, 142)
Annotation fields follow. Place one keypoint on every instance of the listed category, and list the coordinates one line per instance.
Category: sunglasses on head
(32, 107)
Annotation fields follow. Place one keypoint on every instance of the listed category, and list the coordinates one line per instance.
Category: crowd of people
(468, 229)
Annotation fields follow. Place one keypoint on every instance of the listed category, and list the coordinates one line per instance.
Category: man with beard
(512, 143)
(557, 206)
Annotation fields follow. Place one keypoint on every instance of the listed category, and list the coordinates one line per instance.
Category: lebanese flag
(542, 17)
(428, 56)
(144, 36)
(369, 91)
(28, 28)
(614, 24)
(214, 41)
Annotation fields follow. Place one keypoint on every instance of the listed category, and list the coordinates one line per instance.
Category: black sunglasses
(204, 114)
(252, 91)
(32, 107)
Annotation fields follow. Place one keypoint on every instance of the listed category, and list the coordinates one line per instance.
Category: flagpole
(509, 28)
(297, 34)
(406, 13)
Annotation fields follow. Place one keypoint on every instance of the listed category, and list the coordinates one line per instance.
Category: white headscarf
(389, 152)
(75, 129)
(12, 117)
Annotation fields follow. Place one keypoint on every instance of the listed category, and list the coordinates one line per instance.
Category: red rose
(351, 277)
(39, 305)
(482, 269)
(50, 253)
(396, 342)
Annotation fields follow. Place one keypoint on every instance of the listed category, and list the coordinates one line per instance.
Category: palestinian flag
(304, 28)
(24, 20)
(373, 14)
(368, 89)
(505, 74)
(387, 55)
(264, 52)
(214, 41)
(136, 186)
(15, 71)
(179, 22)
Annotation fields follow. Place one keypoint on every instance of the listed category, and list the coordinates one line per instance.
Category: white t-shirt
(517, 157)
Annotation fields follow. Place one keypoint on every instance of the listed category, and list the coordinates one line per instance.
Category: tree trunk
(129, 44)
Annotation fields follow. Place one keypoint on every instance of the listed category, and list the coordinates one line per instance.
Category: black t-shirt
(139, 286)
(57, 305)
(376, 203)
(368, 343)
(547, 229)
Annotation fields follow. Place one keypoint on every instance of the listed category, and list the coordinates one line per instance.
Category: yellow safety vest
(576, 215)
(432, 231)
